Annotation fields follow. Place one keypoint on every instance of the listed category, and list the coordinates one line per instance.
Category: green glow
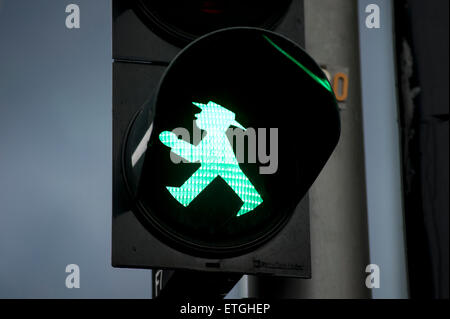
(324, 82)
(216, 156)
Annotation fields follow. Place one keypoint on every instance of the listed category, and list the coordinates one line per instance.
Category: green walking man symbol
(216, 157)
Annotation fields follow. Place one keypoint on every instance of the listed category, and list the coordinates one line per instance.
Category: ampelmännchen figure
(216, 157)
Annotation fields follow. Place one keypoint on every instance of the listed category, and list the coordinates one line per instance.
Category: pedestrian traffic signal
(183, 21)
(219, 157)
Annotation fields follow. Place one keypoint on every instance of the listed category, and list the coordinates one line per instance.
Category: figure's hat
(218, 109)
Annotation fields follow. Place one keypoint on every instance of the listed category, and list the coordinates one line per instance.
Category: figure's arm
(181, 148)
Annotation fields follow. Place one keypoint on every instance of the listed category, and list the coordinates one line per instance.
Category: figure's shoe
(244, 210)
(249, 206)
(180, 195)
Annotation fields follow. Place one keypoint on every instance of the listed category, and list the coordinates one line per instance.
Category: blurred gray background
(55, 153)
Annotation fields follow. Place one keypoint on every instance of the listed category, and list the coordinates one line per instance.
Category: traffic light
(214, 153)
(156, 30)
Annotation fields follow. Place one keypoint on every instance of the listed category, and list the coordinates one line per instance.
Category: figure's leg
(193, 186)
(243, 188)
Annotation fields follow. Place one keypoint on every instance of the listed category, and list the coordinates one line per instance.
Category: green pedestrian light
(219, 159)
(216, 157)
